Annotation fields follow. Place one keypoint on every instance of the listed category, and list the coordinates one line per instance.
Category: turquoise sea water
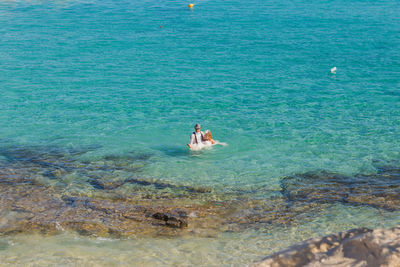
(135, 76)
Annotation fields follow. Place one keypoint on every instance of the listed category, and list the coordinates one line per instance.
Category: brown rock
(357, 247)
(176, 218)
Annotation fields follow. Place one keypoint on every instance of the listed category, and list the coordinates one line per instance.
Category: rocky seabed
(51, 190)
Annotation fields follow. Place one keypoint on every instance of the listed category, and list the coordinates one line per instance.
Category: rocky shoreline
(48, 190)
(356, 247)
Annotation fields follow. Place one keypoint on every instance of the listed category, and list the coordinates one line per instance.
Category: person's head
(207, 135)
(197, 127)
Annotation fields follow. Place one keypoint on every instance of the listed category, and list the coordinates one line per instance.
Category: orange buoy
(191, 5)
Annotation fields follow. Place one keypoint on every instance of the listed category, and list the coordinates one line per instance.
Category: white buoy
(333, 70)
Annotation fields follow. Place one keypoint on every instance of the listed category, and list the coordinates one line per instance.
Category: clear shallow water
(227, 249)
(123, 76)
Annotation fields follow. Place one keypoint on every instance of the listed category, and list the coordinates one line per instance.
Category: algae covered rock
(380, 190)
(48, 190)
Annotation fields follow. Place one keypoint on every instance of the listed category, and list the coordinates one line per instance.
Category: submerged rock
(51, 191)
(41, 191)
(27, 207)
(380, 190)
(357, 247)
(176, 218)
